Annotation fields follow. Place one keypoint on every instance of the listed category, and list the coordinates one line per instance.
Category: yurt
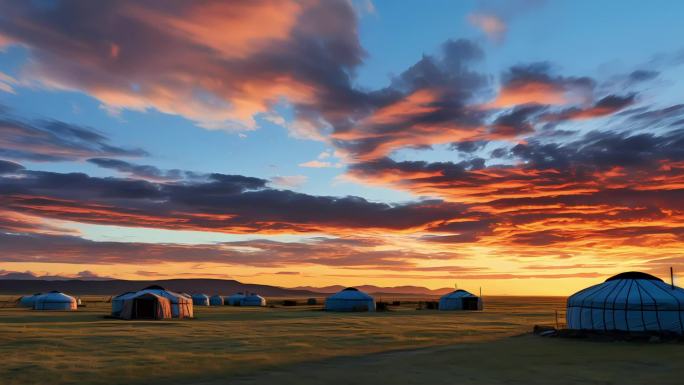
(350, 299)
(118, 301)
(200, 299)
(181, 306)
(460, 300)
(54, 300)
(631, 301)
(145, 305)
(253, 300)
(235, 299)
(28, 300)
(216, 300)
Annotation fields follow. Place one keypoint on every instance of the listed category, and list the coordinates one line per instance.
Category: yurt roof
(199, 295)
(351, 294)
(631, 290)
(55, 296)
(154, 287)
(633, 275)
(458, 294)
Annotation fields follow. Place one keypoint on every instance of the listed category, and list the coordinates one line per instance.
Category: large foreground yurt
(54, 300)
(253, 300)
(631, 301)
(28, 300)
(145, 305)
(216, 300)
(200, 299)
(235, 299)
(181, 306)
(350, 299)
(460, 300)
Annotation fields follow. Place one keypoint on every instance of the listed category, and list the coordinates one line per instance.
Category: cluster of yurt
(249, 299)
(53, 300)
(460, 300)
(628, 302)
(153, 302)
(350, 299)
(234, 300)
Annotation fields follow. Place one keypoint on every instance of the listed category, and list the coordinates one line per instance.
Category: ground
(303, 345)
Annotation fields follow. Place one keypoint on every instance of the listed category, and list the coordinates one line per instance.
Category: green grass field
(303, 345)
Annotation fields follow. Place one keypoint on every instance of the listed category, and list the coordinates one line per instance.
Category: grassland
(303, 345)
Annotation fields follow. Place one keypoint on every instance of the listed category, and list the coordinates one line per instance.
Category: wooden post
(671, 277)
(556, 319)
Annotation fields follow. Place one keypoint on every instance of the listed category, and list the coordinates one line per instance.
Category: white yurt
(54, 300)
(28, 300)
(253, 300)
(181, 306)
(200, 299)
(631, 301)
(235, 299)
(350, 299)
(216, 300)
(460, 300)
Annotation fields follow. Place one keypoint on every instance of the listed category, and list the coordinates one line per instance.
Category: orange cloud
(493, 26)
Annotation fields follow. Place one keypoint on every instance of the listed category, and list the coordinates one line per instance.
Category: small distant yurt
(200, 299)
(118, 301)
(54, 300)
(181, 306)
(350, 299)
(460, 300)
(631, 301)
(235, 299)
(253, 300)
(145, 305)
(28, 300)
(311, 301)
(216, 300)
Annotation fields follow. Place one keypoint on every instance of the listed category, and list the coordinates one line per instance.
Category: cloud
(210, 64)
(257, 253)
(426, 104)
(147, 172)
(289, 181)
(53, 140)
(494, 27)
(222, 203)
(534, 83)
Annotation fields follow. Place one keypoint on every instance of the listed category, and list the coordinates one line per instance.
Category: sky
(524, 147)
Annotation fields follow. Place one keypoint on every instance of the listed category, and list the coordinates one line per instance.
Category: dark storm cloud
(52, 140)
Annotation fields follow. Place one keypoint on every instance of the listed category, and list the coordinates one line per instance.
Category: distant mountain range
(404, 290)
(23, 283)
(117, 286)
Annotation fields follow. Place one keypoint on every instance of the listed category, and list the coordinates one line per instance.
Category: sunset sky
(525, 147)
